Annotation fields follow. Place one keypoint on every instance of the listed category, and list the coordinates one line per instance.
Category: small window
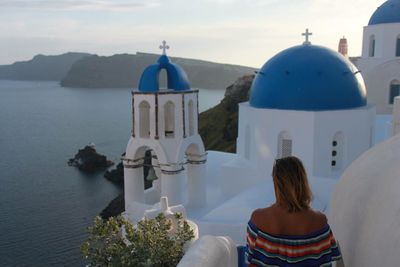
(394, 91)
(372, 44)
(285, 145)
(398, 46)
(337, 152)
(286, 148)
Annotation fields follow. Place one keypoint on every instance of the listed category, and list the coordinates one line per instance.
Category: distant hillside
(124, 71)
(41, 68)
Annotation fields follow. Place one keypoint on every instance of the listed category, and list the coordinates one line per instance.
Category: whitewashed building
(307, 101)
(380, 60)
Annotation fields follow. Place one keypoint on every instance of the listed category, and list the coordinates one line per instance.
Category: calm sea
(46, 206)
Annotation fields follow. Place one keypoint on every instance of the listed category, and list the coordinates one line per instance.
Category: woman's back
(278, 221)
(277, 237)
(290, 233)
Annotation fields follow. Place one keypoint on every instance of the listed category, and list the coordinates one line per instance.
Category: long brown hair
(291, 184)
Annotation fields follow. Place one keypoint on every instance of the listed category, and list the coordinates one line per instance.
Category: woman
(290, 233)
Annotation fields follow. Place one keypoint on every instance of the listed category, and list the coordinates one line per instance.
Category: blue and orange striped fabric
(314, 249)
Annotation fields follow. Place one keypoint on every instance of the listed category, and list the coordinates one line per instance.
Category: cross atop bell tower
(164, 47)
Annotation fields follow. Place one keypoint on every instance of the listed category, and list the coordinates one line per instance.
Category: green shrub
(149, 243)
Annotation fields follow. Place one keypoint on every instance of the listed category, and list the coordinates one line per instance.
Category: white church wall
(356, 138)
(378, 81)
(385, 40)
(382, 68)
(266, 126)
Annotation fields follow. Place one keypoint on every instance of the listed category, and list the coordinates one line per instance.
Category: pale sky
(245, 32)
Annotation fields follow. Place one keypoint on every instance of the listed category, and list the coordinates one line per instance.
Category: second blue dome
(308, 77)
(388, 12)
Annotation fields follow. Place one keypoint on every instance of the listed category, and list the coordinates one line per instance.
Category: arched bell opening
(144, 119)
(141, 173)
(169, 119)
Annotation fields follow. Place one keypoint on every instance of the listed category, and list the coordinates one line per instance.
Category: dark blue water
(45, 205)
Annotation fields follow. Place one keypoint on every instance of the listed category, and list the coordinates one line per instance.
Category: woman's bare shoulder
(264, 218)
(262, 212)
(320, 220)
(320, 216)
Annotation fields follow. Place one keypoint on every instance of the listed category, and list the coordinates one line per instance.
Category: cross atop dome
(307, 34)
(164, 47)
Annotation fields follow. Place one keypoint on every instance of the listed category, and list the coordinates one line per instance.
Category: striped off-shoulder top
(314, 249)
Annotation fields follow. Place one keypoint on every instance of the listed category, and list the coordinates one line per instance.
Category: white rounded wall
(365, 214)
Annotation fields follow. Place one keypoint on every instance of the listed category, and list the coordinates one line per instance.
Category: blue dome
(177, 78)
(308, 77)
(388, 12)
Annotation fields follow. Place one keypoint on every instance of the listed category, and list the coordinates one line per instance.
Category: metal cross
(164, 47)
(307, 34)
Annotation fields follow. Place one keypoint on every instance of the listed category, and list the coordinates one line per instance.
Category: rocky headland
(116, 176)
(41, 67)
(88, 160)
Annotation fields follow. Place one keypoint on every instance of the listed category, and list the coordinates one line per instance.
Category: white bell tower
(165, 121)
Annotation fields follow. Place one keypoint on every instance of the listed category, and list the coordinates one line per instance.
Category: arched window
(285, 145)
(398, 46)
(247, 143)
(144, 119)
(169, 119)
(372, 46)
(191, 118)
(394, 91)
(337, 151)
